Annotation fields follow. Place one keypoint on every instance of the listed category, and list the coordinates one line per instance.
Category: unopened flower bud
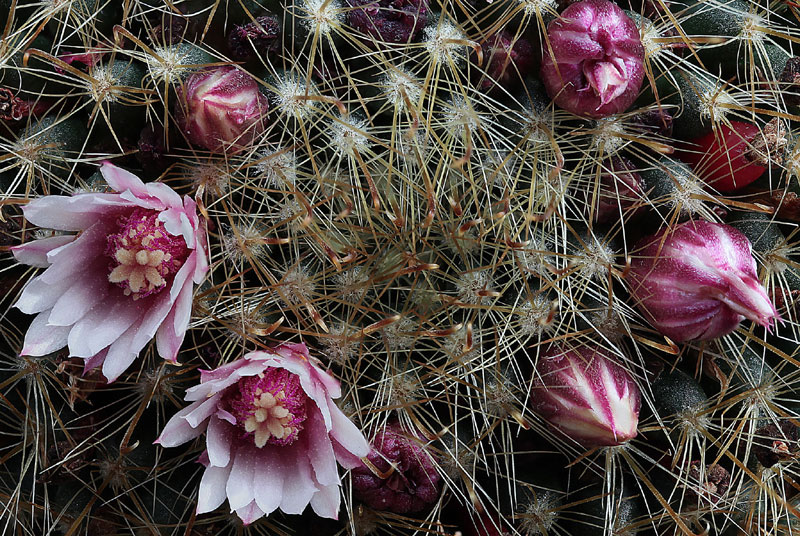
(507, 59)
(595, 63)
(585, 394)
(224, 110)
(403, 478)
(697, 281)
(390, 21)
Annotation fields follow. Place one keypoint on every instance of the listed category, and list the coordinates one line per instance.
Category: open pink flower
(127, 275)
(273, 435)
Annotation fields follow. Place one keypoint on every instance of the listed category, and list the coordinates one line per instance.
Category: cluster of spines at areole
(429, 233)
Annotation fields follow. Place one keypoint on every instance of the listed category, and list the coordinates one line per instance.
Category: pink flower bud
(594, 65)
(586, 395)
(224, 109)
(697, 281)
(408, 480)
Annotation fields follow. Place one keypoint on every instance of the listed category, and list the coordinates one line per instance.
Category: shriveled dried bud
(224, 110)
(595, 63)
(584, 393)
(697, 281)
(408, 480)
(709, 485)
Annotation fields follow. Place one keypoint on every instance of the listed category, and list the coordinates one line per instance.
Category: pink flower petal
(218, 442)
(177, 223)
(154, 196)
(271, 473)
(347, 434)
(157, 310)
(35, 253)
(212, 488)
(177, 431)
(78, 299)
(326, 502)
(239, 370)
(202, 411)
(103, 325)
(300, 487)
(38, 296)
(74, 213)
(240, 487)
(319, 450)
(249, 513)
(170, 334)
(162, 304)
(69, 260)
(121, 180)
(120, 355)
(42, 339)
(93, 362)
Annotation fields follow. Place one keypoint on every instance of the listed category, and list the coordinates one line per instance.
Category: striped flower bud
(585, 394)
(697, 281)
(594, 65)
(224, 109)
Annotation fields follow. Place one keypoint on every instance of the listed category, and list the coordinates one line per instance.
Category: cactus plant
(486, 225)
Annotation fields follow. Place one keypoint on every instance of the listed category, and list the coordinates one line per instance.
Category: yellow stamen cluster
(270, 418)
(139, 266)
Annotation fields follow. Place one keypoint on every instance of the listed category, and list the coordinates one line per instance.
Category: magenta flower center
(271, 407)
(144, 254)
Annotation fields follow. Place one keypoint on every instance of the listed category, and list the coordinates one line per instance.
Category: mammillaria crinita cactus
(466, 211)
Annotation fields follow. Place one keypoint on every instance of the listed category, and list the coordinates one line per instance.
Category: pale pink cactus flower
(587, 395)
(273, 435)
(223, 109)
(126, 275)
(697, 281)
(594, 65)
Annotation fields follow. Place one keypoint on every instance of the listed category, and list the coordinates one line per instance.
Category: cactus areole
(594, 65)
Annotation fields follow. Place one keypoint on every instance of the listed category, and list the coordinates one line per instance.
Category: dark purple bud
(90, 58)
(507, 60)
(403, 478)
(790, 81)
(585, 394)
(224, 110)
(171, 28)
(773, 444)
(697, 281)
(12, 108)
(152, 149)
(621, 188)
(595, 63)
(654, 121)
(389, 21)
(260, 36)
